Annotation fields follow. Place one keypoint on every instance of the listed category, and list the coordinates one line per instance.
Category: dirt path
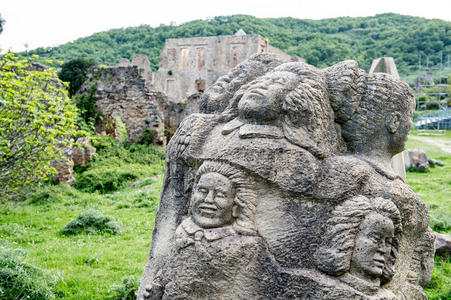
(442, 143)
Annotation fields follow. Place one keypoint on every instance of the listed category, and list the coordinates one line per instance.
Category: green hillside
(320, 42)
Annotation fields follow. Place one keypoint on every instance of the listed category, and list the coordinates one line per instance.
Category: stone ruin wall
(190, 65)
(123, 92)
(146, 100)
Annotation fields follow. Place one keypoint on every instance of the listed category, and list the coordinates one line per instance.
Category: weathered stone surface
(283, 188)
(387, 65)
(65, 166)
(83, 152)
(417, 159)
(435, 162)
(442, 244)
(123, 92)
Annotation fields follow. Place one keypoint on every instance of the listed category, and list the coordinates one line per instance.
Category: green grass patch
(20, 280)
(90, 266)
(92, 221)
(434, 188)
(440, 286)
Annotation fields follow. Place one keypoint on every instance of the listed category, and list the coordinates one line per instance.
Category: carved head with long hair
(294, 97)
(362, 238)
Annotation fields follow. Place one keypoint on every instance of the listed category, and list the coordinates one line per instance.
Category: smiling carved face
(213, 201)
(372, 246)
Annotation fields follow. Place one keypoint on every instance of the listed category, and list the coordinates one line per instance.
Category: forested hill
(320, 42)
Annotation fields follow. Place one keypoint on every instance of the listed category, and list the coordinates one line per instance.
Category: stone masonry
(123, 93)
(190, 65)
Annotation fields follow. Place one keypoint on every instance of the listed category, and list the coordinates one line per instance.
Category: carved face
(217, 90)
(262, 101)
(399, 137)
(372, 246)
(212, 201)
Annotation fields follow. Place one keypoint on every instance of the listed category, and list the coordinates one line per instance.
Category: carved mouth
(207, 209)
(379, 262)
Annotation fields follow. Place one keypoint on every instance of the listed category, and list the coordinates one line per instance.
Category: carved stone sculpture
(283, 188)
(217, 250)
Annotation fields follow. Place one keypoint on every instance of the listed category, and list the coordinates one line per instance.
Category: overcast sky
(44, 23)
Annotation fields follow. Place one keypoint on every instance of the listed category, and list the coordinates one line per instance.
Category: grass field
(91, 266)
(434, 187)
(108, 266)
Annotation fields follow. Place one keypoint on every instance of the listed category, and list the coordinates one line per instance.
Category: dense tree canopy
(74, 72)
(320, 42)
(36, 120)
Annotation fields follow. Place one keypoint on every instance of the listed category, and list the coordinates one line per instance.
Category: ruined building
(190, 65)
(154, 103)
(122, 94)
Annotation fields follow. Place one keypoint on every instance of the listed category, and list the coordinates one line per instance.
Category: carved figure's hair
(334, 255)
(255, 66)
(422, 260)
(307, 116)
(362, 102)
(244, 189)
(346, 86)
(383, 96)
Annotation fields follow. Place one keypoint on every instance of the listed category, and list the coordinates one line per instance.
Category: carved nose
(209, 198)
(383, 247)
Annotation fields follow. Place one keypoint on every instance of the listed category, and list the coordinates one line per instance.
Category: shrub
(108, 179)
(88, 112)
(147, 138)
(112, 153)
(432, 105)
(44, 195)
(118, 164)
(19, 280)
(92, 221)
(127, 290)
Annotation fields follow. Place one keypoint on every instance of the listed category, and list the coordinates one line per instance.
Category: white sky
(44, 23)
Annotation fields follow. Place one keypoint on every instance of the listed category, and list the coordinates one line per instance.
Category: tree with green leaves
(37, 119)
(74, 72)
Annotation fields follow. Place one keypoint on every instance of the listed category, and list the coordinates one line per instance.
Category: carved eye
(202, 190)
(388, 242)
(220, 195)
(373, 238)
